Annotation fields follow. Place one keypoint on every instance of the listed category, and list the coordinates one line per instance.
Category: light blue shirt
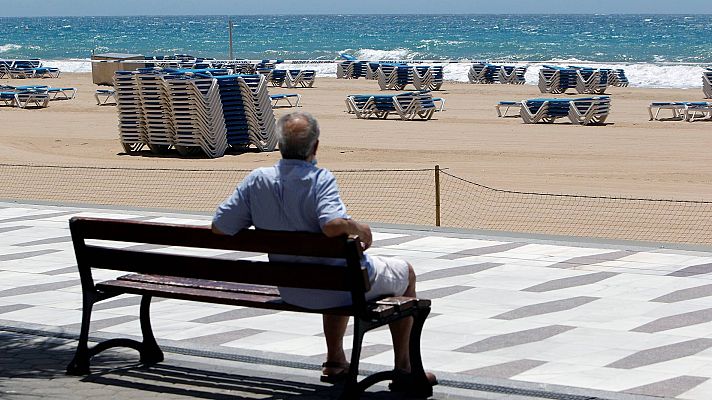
(293, 195)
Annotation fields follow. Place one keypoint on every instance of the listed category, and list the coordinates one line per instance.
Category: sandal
(407, 383)
(341, 374)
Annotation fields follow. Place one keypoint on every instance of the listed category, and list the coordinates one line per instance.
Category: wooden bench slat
(294, 243)
(202, 284)
(254, 300)
(309, 276)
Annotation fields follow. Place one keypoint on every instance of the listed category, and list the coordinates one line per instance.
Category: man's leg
(400, 330)
(334, 330)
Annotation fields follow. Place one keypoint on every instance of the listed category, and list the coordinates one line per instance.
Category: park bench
(248, 283)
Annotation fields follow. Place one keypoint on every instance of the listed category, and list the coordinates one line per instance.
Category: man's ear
(316, 146)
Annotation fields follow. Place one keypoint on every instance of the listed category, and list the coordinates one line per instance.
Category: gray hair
(297, 141)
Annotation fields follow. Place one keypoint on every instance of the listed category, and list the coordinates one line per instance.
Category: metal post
(437, 195)
(229, 23)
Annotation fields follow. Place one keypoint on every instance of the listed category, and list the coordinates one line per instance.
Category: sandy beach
(630, 156)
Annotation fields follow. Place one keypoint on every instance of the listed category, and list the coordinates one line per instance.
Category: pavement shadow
(38, 358)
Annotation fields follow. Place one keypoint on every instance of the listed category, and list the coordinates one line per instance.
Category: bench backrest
(100, 254)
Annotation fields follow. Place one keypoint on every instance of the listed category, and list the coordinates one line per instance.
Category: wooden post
(437, 195)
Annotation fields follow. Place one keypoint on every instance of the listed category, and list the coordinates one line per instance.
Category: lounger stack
(398, 76)
(197, 114)
(34, 95)
(489, 73)
(194, 112)
(682, 110)
(291, 77)
(616, 77)
(248, 111)
(553, 79)
(20, 69)
(408, 105)
(132, 133)
(580, 111)
(707, 83)
(157, 114)
(351, 69)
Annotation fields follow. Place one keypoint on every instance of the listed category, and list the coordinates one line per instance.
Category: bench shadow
(43, 358)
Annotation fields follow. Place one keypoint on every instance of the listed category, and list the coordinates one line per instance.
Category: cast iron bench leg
(150, 351)
(80, 363)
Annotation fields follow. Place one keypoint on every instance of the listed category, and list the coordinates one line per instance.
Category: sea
(658, 51)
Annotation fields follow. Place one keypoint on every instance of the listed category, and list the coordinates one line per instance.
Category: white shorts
(390, 277)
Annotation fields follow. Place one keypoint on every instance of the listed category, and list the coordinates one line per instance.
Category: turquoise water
(601, 38)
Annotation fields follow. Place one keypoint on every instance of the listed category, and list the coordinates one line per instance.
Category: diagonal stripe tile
(663, 353)
(103, 323)
(62, 271)
(44, 287)
(442, 292)
(594, 259)
(546, 308)
(217, 339)
(395, 241)
(123, 302)
(366, 351)
(696, 292)
(676, 321)
(480, 251)
(570, 282)
(693, 270)
(12, 228)
(35, 217)
(669, 388)
(456, 271)
(26, 254)
(505, 370)
(234, 314)
(13, 307)
(61, 239)
(514, 339)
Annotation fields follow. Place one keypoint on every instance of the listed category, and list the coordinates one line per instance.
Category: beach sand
(630, 156)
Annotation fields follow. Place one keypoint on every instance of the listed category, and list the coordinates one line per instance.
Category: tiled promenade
(544, 318)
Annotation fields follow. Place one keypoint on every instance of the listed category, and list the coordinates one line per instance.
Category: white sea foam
(4, 48)
(662, 75)
(73, 65)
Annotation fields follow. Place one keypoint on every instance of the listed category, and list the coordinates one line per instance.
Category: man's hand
(341, 226)
(364, 233)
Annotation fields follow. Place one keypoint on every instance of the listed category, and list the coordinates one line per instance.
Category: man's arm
(343, 226)
(216, 230)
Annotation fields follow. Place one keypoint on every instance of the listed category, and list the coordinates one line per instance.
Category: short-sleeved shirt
(292, 195)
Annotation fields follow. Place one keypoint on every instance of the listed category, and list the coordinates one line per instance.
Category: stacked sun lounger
(580, 111)
(197, 114)
(37, 96)
(482, 72)
(193, 111)
(681, 110)
(291, 77)
(20, 69)
(408, 105)
(351, 69)
(398, 76)
(707, 83)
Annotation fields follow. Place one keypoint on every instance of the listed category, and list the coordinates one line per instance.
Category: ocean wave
(4, 48)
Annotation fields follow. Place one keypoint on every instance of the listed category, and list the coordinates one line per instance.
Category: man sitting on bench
(296, 195)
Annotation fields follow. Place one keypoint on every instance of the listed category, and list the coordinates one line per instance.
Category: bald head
(298, 134)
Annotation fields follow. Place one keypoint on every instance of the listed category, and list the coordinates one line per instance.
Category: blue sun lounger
(681, 110)
(580, 111)
(408, 105)
(277, 98)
